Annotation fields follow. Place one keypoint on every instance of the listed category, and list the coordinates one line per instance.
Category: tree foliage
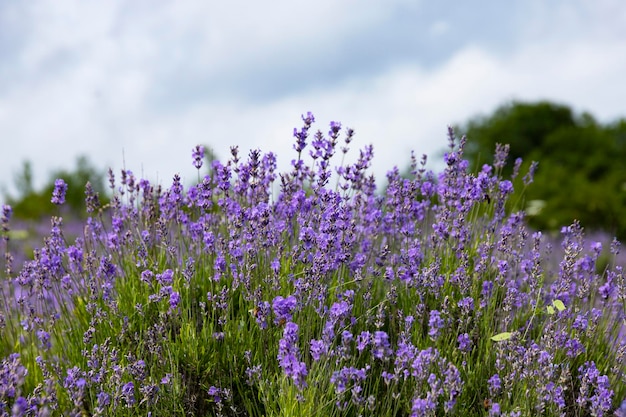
(582, 169)
(32, 204)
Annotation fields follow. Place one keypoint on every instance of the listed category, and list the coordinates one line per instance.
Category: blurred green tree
(31, 204)
(523, 126)
(582, 169)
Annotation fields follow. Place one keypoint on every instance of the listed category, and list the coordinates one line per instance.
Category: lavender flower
(529, 177)
(381, 347)
(594, 390)
(465, 343)
(435, 323)
(303, 133)
(76, 385)
(104, 399)
(495, 385)
(423, 407)
(288, 353)
(318, 349)
(371, 275)
(12, 376)
(283, 308)
(260, 313)
(58, 195)
(174, 300)
(20, 407)
(165, 278)
(348, 380)
(340, 310)
(198, 156)
(128, 394)
(5, 216)
(44, 339)
(216, 394)
(466, 304)
(495, 409)
(363, 340)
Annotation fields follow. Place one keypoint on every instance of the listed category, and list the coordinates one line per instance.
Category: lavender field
(312, 292)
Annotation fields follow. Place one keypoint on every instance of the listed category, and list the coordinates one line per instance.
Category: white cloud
(102, 79)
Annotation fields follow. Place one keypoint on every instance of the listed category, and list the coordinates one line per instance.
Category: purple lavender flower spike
(288, 353)
(283, 308)
(58, 195)
(465, 343)
(174, 300)
(198, 156)
(423, 407)
(303, 133)
(495, 385)
(381, 346)
(128, 394)
(7, 211)
(435, 323)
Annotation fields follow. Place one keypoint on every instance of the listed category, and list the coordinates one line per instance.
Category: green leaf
(501, 336)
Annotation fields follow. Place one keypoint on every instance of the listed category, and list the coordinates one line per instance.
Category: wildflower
(495, 385)
(335, 127)
(198, 156)
(138, 370)
(303, 133)
(20, 407)
(253, 374)
(283, 308)
(149, 393)
(502, 151)
(506, 187)
(381, 347)
(103, 399)
(128, 394)
(44, 338)
(528, 178)
(339, 310)
(362, 340)
(435, 323)
(465, 343)
(58, 195)
(466, 304)
(7, 211)
(452, 385)
(165, 278)
(215, 393)
(422, 407)
(174, 300)
(318, 348)
(593, 382)
(495, 409)
(288, 356)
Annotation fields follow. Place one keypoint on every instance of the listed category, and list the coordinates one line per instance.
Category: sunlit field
(312, 292)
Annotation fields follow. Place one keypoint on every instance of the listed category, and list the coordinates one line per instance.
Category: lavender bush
(324, 299)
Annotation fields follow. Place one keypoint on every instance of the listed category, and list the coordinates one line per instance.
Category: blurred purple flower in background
(198, 156)
(58, 195)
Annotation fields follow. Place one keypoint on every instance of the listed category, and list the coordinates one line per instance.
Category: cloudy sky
(139, 83)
